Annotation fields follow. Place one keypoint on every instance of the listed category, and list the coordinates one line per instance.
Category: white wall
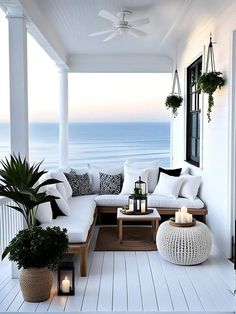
(214, 167)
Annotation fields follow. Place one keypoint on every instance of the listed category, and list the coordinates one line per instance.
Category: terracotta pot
(36, 284)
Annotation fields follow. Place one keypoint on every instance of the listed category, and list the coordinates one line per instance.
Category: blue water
(96, 142)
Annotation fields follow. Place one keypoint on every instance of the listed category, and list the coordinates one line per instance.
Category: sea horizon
(96, 142)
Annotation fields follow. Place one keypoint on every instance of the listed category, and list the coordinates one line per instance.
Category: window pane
(193, 147)
(193, 102)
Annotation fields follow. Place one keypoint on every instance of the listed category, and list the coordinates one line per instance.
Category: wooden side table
(153, 217)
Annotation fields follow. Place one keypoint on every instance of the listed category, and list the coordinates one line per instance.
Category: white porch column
(18, 82)
(63, 118)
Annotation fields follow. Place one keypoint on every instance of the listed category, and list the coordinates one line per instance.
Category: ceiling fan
(121, 25)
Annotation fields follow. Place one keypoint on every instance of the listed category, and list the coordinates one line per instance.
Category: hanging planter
(174, 101)
(209, 82)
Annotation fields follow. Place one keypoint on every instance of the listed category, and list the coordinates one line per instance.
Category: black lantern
(140, 187)
(66, 278)
(138, 203)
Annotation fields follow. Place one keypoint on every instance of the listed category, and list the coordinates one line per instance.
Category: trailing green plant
(173, 102)
(38, 247)
(19, 182)
(208, 83)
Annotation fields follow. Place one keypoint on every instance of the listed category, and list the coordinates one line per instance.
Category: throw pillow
(171, 172)
(44, 213)
(60, 201)
(64, 187)
(96, 169)
(110, 183)
(190, 186)
(80, 183)
(168, 186)
(56, 210)
(153, 169)
(132, 175)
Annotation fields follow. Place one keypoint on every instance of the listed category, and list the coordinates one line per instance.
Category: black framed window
(193, 113)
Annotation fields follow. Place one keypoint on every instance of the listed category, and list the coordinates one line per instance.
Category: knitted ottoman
(184, 246)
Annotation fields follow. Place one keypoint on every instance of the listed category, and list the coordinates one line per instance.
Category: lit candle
(65, 285)
(178, 217)
(131, 207)
(189, 218)
(184, 209)
(143, 208)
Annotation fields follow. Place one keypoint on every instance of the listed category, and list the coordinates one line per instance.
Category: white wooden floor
(134, 282)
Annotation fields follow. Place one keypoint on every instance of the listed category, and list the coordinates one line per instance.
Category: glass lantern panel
(66, 277)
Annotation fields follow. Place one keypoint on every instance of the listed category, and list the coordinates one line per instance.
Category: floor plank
(146, 283)
(93, 284)
(120, 284)
(133, 283)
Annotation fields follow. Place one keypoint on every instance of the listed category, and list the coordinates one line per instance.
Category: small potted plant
(37, 252)
(208, 83)
(173, 102)
(19, 182)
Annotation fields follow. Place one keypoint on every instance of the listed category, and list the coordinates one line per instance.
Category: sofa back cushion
(153, 170)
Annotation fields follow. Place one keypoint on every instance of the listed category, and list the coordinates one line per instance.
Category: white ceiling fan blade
(137, 32)
(101, 33)
(107, 15)
(140, 22)
(113, 35)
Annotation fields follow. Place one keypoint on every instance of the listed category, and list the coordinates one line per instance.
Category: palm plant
(19, 182)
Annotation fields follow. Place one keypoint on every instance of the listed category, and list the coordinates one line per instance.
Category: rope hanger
(210, 62)
(176, 82)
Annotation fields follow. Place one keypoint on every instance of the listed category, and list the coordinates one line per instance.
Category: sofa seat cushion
(153, 201)
(112, 200)
(78, 223)
(167, 202)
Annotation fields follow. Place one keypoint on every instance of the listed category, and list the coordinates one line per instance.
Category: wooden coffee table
(153, 217)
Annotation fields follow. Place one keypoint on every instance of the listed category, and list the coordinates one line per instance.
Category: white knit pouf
(184, 246)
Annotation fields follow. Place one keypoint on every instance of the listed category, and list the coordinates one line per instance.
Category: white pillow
(64, 187)
(190, 186)
(168, 186)
(132, 175)
(44, 213)
(94, 172)
(153, 170)
(61, 202)
(185, 170)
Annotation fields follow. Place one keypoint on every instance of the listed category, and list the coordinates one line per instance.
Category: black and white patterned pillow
(80, 183)
(109, 183)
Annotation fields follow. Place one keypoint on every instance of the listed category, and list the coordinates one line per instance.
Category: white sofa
(80, 212)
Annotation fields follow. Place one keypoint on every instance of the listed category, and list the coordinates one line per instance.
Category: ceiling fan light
(123, 30)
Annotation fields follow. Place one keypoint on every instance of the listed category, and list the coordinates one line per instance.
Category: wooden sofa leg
(83, 261)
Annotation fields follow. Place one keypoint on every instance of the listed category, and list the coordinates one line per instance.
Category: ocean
(97, 143)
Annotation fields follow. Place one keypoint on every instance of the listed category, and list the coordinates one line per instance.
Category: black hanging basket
(209, 81)
(174, 100)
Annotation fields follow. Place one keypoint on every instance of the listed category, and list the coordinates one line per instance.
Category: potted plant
(173, 102)
(19, 182)
(37, 252)
(208, 83)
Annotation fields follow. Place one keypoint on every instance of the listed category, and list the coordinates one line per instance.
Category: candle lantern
(140, 187)
(138, 203)
(66, 278)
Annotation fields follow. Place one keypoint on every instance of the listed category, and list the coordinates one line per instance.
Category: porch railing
(11, 222)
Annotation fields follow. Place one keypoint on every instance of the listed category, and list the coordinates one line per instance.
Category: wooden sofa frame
(82, 248)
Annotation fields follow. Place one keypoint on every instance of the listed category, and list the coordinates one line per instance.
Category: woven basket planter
(36, 284)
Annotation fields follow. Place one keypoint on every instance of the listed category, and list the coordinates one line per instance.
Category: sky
(93, 97)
